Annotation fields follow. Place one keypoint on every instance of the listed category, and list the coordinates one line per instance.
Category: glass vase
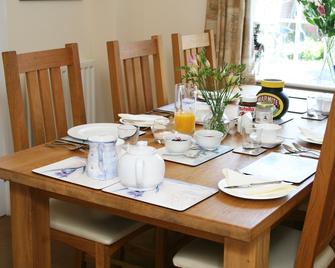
(329, 62)
(217, 121)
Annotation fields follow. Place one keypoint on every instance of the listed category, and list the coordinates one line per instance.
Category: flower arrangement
(321, 13)
(216, 85)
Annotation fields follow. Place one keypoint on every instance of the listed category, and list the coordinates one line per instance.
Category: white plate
(272, 144)
(140, 120)
(136, 123)
(305, 139)
(242, 192)
(82, 132)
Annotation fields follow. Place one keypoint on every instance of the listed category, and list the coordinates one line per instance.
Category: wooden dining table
(242, 225)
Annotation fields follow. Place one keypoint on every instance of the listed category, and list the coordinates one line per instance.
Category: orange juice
(185, 122)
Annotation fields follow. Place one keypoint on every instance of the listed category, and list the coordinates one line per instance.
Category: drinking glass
(312, 106)
(161, 128)
(185, 109)
(252, 137)
(128, 133)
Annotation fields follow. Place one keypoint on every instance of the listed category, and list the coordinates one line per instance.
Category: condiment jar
(264, 112)
(248, 105)
(272, 92)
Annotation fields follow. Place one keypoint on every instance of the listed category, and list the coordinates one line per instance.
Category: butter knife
(252, 184)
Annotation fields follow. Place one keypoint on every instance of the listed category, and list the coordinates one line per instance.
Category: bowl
(208, 139)
(177, 143)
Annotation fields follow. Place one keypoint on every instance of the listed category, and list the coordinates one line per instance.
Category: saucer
(270, 145)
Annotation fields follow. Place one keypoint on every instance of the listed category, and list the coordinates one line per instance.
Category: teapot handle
(139, 173)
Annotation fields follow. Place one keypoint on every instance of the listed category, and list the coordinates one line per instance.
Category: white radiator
(88, 79)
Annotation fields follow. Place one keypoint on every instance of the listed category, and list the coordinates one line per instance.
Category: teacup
(208, 139)
(269, 133)
(177, 143)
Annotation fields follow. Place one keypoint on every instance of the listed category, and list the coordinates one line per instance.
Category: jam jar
(248, 104)
(272, 92)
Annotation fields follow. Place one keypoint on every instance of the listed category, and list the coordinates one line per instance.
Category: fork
(304, 149)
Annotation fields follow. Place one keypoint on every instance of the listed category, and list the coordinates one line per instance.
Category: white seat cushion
(89, 223)
(283, 248)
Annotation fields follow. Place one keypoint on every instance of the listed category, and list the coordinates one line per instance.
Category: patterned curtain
(233, 28)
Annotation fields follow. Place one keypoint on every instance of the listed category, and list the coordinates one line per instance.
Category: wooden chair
(96, 233)
(130, 75)
(313, 247)
(185, 46)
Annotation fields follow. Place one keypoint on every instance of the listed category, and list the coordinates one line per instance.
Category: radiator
(88, 79)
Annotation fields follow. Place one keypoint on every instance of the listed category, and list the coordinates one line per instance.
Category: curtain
(233, 29)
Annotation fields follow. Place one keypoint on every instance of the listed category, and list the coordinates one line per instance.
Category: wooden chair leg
(79, 259)
(160, 247)
(102, 256)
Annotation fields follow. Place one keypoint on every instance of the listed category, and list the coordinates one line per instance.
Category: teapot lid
(141, 148)
(102, 138)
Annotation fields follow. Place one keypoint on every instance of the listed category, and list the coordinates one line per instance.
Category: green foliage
(215, 84)
(320, 13)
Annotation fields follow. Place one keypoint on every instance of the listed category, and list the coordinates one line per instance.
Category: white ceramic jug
(141, 167)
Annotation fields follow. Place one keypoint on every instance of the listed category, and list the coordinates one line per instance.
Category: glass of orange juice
(185, 121)
(184, 114)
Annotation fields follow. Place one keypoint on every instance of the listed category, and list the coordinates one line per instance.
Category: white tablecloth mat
(172, 194)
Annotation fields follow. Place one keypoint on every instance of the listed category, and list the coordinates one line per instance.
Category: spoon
(189, 154)
(290, 149)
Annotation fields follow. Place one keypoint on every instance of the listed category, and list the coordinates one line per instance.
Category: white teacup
(208, 139)
(269, 133)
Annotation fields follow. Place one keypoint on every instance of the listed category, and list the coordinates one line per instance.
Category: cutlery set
(71, 146)
(300, 150)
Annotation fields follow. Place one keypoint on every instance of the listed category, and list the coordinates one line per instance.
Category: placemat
(172, 194)
(72, 170)
(284, 167)
(297, 105)
(201, 158)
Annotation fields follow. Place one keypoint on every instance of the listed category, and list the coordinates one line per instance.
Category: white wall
(37, 25)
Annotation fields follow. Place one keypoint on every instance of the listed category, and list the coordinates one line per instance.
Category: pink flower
(321, 9)
(192, 60)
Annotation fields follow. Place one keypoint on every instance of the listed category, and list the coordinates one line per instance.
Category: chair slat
(43, 59)
(115, 74)
(187, 56)
(58, 100)
(15, 101)
(195, 40)
(160, 75)
(36, 109)
(131, 91)
(76, 87)
(47, 105)
(193, 52)
(141, 108)
(137, 49)
(147, 83)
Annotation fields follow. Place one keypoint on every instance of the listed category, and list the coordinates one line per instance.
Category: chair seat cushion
(283, 248)
(89, 223)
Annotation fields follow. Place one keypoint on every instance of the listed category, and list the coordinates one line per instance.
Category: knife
(252, 184)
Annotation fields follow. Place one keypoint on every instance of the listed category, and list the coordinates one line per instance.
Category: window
(287, 46)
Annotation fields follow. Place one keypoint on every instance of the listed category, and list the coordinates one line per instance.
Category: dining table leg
(253, 254)
(30, 227)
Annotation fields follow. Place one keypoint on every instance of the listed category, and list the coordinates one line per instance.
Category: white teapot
(141, 167)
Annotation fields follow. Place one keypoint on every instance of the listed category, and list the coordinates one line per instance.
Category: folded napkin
(142, 119)
(234, 178)
(312, 135)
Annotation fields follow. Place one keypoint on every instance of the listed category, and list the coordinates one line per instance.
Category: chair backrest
(45, 93)
(131, 78)
(185, 46)
(319, 227)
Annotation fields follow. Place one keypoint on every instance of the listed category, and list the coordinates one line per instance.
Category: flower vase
(329, 62)
(217, 121)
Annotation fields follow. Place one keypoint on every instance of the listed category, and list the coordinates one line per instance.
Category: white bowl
(208, 139)
(177, 143)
